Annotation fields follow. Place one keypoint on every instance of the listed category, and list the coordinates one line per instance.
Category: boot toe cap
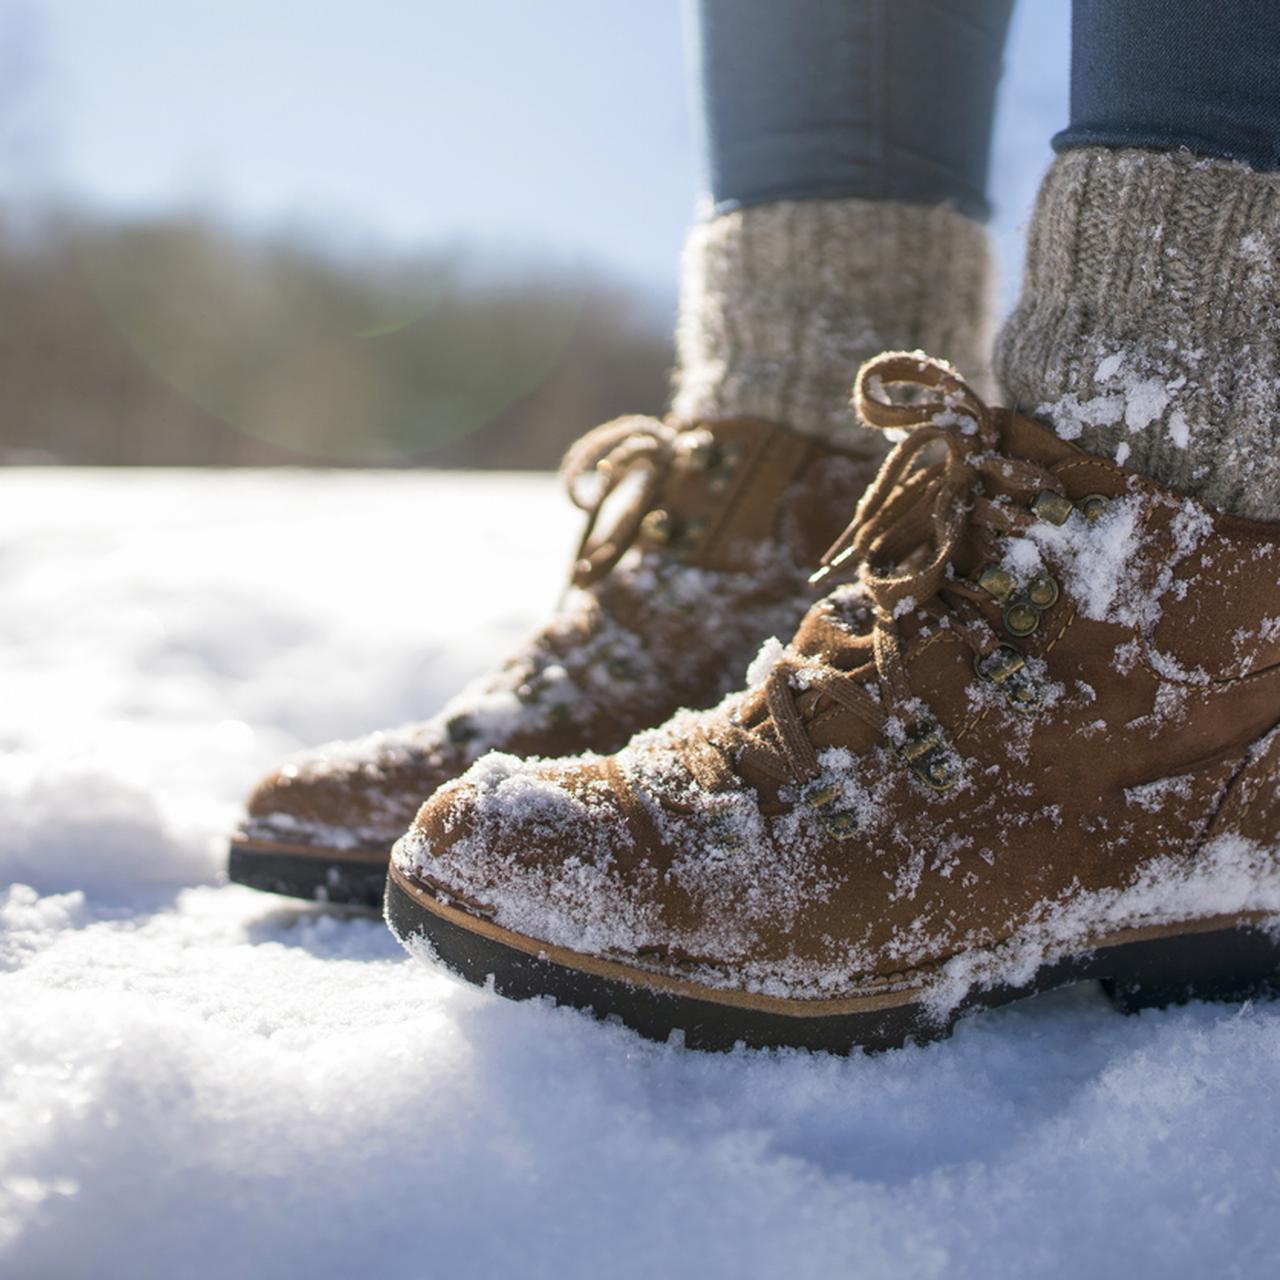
(344, 795)
(542, 848)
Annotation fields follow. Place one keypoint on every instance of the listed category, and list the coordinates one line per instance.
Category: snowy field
(197, 1080)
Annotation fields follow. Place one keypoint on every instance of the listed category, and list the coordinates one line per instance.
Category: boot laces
(613, 454)
(902, 539)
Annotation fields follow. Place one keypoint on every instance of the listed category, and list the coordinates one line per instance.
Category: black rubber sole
(1232, 963)
(350, 882)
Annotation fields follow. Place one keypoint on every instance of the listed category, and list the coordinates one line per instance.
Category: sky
(549, 128)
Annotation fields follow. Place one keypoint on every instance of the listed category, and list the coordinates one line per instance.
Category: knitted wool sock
(780, 303)
(1149, 329)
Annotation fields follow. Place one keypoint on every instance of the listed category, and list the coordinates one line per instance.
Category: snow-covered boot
(699, 542)
(1036, 739)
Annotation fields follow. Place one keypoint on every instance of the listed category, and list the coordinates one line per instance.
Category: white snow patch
(1135, 388)
(1144, 402)
(1097, 560)
(1153, 796)
(1109, 366)
(1070, 415)
(770, 654)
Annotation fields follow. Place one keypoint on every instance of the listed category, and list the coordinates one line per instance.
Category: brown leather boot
(712, 529)
(1035, 741)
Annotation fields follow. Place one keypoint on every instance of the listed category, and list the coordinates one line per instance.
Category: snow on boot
(699, 542)
(1036, 739)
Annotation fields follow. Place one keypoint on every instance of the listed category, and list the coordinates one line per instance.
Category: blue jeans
(881, 99)
(1167, 74)
(893, 99)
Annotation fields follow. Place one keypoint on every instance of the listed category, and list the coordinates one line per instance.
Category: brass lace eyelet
(997, 582)
(841, 824)
(1043, 591)
(716, 461)
(1093, 506)
(1006, 668)
(821, 796)
(928, 759)
(837, 822)
(1021, 617)
(667, 530)
(1053, 507)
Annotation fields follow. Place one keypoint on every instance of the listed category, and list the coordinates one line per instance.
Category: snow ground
(199, 1081)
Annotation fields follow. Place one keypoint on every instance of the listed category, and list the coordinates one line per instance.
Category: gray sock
(781, 302)
(1149, 325)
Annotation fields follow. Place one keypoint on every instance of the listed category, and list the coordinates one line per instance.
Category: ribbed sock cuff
(1147, 329)
(780, 304)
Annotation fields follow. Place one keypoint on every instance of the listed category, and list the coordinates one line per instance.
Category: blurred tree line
(179, 342)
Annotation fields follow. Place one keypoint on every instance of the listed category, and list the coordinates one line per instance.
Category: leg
(1147, 326)
(846, 204)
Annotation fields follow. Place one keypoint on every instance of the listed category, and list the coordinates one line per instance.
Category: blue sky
(548, 127)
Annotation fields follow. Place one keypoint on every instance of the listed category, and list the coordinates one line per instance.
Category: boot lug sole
(1236, 958)
(354, 877)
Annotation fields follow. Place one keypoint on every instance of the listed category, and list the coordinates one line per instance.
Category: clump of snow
(1097, 559)
(1109, 565)
(771, 653)
(1022, 557)
(1134, 387)
(1109, 366)
(1144, 402)
(1070, 415)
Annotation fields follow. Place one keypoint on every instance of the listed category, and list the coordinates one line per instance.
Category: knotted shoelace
(902, 539)
(610, 455)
